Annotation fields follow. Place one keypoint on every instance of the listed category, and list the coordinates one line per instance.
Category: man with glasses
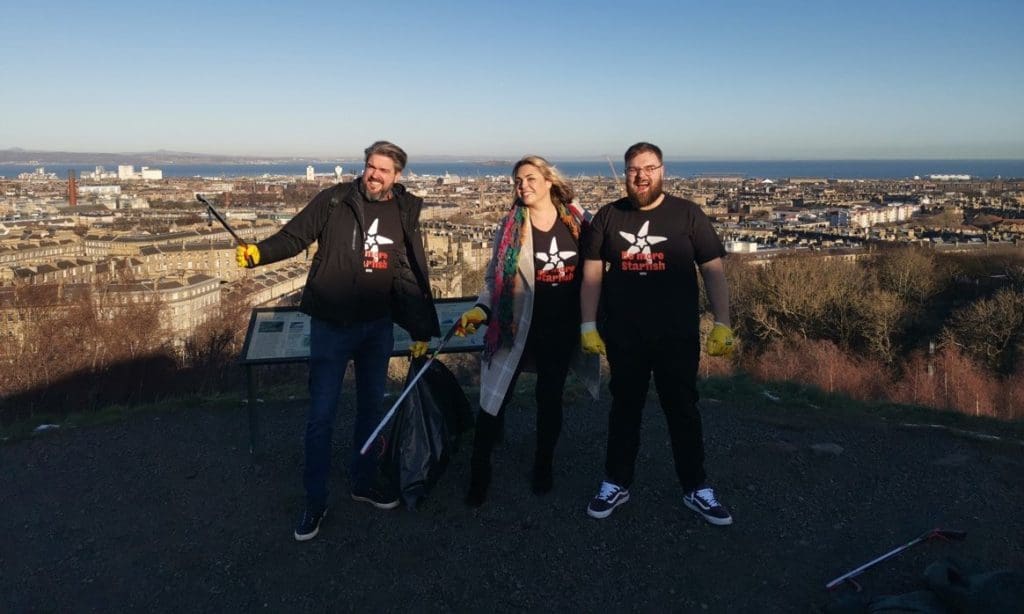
(369, 271)
(640, 263)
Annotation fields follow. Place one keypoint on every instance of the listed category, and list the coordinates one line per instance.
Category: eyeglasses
(633, 171)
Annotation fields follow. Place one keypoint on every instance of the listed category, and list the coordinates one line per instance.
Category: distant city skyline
(734, 80)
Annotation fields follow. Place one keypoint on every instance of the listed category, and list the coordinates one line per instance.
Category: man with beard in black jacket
(369, 272)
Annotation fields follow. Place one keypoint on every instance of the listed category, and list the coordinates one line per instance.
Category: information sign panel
(281, 334)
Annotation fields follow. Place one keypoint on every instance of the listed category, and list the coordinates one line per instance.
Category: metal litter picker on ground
(940, 533)
(408, 388)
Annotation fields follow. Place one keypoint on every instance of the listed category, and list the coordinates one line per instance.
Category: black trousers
(673, 361)
(550, 350)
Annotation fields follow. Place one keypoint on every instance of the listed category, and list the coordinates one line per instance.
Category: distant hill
(17, 155)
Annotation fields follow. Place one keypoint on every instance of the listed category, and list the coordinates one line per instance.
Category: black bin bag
(413, 450)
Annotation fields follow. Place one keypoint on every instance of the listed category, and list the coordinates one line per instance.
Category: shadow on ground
(167, 512)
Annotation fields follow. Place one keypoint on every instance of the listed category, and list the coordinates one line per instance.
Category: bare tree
(910, 272)
(991, 330)
(883, 313)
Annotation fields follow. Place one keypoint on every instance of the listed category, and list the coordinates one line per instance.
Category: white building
(740, 247)
(866, 217)
(99, 173)
(39, 174)
(310, 174)
(86, 190)
(126, 172)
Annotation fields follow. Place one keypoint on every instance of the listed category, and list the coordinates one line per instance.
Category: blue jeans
(369, 345)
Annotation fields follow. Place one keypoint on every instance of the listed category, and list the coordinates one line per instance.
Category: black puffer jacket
(334, 219)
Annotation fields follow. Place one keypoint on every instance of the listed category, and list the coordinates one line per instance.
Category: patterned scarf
(502, 328)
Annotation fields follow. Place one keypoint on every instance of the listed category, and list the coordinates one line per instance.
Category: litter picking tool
(412, 384)
(238, 240)
(945, 534)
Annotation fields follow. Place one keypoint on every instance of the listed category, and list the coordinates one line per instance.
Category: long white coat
(496, 376)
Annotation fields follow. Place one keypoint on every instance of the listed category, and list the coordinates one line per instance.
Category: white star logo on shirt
(640, 242)
(554, 259)
(374, 241)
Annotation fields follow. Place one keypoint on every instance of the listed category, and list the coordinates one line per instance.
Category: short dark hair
(642, 147)
(389, 149)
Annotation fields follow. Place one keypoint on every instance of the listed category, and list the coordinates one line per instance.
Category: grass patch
(114, 413)
(744, 391)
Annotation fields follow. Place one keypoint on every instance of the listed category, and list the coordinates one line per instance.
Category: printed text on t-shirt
(638, 257)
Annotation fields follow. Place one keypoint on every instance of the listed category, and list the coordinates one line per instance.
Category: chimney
(72, 189)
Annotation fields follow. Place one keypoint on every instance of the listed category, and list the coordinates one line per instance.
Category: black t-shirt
(382, 239)
(649, 287)
(557, 276)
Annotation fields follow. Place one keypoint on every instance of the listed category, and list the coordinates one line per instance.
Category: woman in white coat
(530, 304)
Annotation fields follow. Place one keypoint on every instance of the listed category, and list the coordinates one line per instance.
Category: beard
(373, 197)
(642, 200)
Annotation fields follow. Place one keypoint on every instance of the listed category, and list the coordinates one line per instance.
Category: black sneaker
(309, 524)
(610, 497)
(703, 502)
(375, 498)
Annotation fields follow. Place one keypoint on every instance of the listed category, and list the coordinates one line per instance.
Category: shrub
(821, 364)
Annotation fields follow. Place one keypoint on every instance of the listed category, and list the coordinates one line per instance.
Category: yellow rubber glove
(590, 339)
(418, 348)
(243, 253)
(469, 321)
(720, 340)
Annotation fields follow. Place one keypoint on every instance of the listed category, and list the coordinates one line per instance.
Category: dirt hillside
(167, 512)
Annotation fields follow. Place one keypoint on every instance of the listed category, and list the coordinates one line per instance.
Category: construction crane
(615, 175)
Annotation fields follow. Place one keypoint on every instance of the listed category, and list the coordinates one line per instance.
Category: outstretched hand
(247, 255)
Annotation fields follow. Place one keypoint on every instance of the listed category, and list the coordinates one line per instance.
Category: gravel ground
(167, 512)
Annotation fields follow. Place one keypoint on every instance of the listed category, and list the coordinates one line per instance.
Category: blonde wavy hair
(561, 190)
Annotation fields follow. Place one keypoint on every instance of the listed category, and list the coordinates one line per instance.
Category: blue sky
(705, 80)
